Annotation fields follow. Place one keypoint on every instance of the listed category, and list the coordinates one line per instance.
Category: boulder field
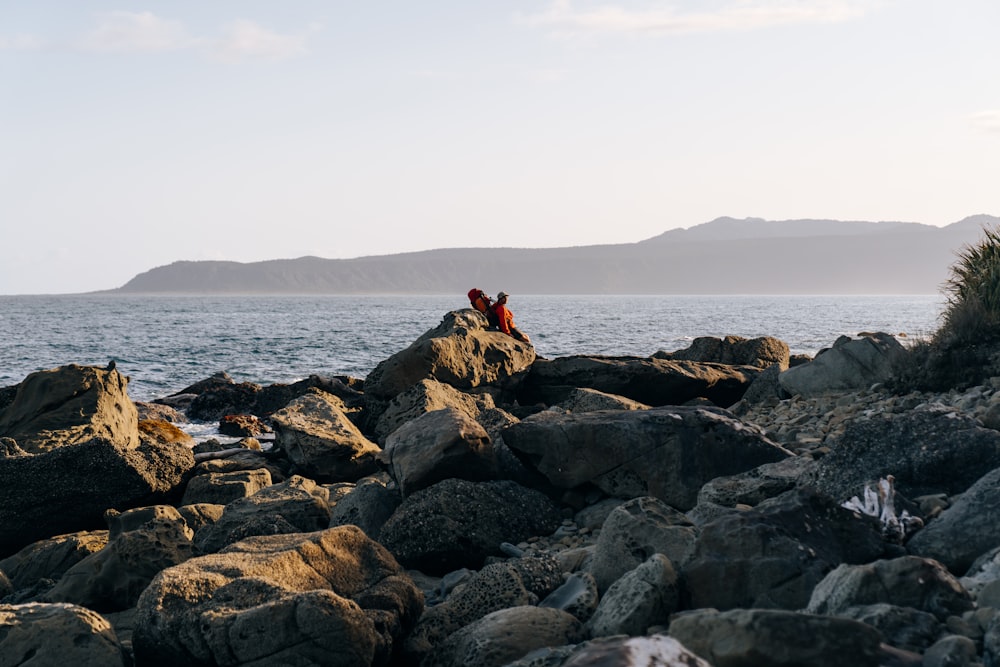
(469, 503)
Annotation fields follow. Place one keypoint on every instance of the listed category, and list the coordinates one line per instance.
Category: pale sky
(135, 134)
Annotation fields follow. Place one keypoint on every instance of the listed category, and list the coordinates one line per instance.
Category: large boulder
(640, 599)
(333, 597)
(69, 488)
(456, 523)
(774, 638)
(113, 578)
(49, 559)
(428, 395)
(436, 446)
(667, 452)
(927, 450)
(71, 405)
(966, 530)
(851, 364)
(459, 352)
(57, 634)
(907, 581)
(367, 505)
(221, 488)
(774, 555)
(583, 399)
(734, 351)
(646, 380)
(321, 441)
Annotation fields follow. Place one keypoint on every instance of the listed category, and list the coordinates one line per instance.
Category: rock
(505, 635)
(221, 488)
(459, 352)
(583, 399)
(964, 531)
(158, 412)
(457, 523)
(902, 627)
(245, 461)
(242, 426)
(757, 484)
(577, 595)
(200, 515)
(158, 432)
(329, 597)
(734, 351)
(436, 446)
(368, 506)
(765, 388)
(298, 505)
(513, 583)
(849, 365)
(666, 452)
(927, 450)
(113, 578)
(776, 638)
(321, 441)
(651, 381)
(774, 555)
(951, 651)
(216, 400)
(69, 488)
(71, 405)
(57, 634)
(640, 599)
(654, 651)
(907, 581)
(428, 395)
(276, 396)
(633, 533)
(51, 558)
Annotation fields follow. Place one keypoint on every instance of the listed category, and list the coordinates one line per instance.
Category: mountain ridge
(722, 256)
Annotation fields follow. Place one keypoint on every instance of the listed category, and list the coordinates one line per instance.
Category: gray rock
(758, 484)
(951, 651)
(902, 627)
(577, 595)
(653, 651)
(368, 506)
(638, 600)
(668, 452)
(584, 399)
(907, 581)
(775, 638)
(221, 488)
(735, 351)
(850, 364)
(428, 395)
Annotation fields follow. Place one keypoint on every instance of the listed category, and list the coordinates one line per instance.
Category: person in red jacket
(505, 319)
(481, 301)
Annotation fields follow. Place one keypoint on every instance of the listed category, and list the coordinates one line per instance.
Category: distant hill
(724, 256)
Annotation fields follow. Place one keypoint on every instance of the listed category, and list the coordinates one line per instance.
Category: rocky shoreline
(470, 504)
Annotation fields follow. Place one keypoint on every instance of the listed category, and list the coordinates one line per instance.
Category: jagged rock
(776, 638)
(457, 523)
(221, 488)
(69, 488)
(668, 452)
(368, 505)
(321, 441)
(774, 555)
(459, 352)
(436, 446)
(159, 432)
(734, 351)
(513, 583)
(298, 505)
(52, 557)
(640, 599)
(57, 634)
(505, 635)
(966, 530)
(71, 405)
(633, 532)
(428, 395)
(927, 450)
(328, 597)
(907, 581)
(651, 381)
(113, 578)
(849, 365)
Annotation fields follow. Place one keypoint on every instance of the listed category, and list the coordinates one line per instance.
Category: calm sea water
(167, 343)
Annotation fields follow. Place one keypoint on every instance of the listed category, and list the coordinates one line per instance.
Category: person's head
(502, 296)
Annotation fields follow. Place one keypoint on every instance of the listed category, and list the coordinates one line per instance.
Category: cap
(502, 295)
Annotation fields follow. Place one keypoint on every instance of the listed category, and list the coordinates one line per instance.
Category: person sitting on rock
(481, 301)
(505, 319)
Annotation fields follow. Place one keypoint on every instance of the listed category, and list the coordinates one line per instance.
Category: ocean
(165, 343)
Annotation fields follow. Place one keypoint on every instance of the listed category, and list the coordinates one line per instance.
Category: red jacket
(506, 319)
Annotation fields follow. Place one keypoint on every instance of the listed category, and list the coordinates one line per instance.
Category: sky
(136, 134)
